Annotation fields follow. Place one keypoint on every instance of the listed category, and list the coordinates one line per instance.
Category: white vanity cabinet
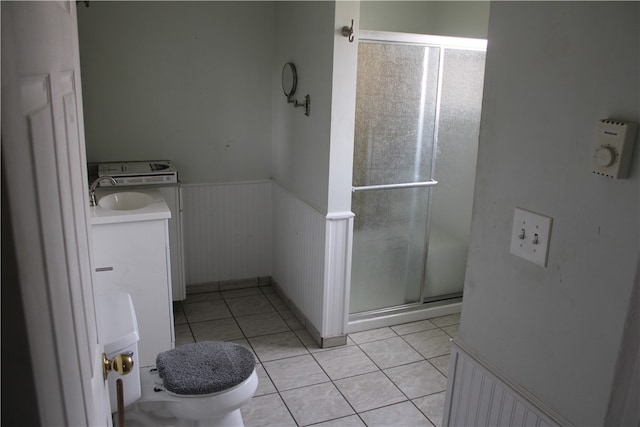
(131, 254)
(171, 195)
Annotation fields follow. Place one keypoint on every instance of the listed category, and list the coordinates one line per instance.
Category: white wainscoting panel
(479, 395)
(337, 276)
(227, 231)
(299, 253)
(243, 230)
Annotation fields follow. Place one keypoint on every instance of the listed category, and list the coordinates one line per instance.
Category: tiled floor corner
(388, 376)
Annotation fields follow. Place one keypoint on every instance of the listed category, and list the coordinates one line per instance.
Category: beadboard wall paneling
(255, 229)
(227, 231)
(479, 395)
(299, 253)
(337, 277)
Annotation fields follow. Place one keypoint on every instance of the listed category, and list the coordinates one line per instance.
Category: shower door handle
(431, 183)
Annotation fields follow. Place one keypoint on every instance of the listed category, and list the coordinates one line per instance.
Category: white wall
(343, 107)
(443, 18)
(554, 69)
(312, 161)
(186, 81)
(300, 157)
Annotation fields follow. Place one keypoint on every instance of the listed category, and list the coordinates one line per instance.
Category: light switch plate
(530, 236)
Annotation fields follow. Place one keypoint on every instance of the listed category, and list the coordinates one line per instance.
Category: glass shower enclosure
(417, 120)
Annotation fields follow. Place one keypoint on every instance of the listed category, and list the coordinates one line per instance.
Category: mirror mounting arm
(306, 104)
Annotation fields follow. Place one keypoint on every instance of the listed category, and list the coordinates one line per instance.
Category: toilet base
(155, 408)
(151, 414)
(233, 418)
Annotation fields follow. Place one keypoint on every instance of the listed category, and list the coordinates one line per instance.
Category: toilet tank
(118, 329)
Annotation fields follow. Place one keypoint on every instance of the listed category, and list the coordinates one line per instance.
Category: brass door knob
(122, 364)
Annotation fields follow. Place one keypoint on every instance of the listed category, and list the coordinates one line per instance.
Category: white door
(44, 170)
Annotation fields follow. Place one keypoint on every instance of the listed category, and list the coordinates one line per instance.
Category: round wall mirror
(289, 80)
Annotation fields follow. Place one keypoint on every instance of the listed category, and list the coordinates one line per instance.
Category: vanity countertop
(158, 208)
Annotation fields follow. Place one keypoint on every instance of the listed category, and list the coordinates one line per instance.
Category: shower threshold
(415, 312)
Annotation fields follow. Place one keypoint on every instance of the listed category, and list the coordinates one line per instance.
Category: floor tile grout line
(379, 369)
(262, 362)
(427, 358)
(278, 392)
(408, 399)
(419, 410)
(398, 387)
(193, 336)
(330, 380)
(253, 348)
(382, 370)
(436, 368)
(337, 388)
(377, 339)
(285, 358)
(425, 415)
(284, 402)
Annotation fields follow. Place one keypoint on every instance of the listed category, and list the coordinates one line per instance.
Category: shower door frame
(443, 43)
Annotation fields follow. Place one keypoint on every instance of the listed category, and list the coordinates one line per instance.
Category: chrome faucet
(92, 189)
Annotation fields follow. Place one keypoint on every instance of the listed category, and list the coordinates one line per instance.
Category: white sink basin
(125, 201)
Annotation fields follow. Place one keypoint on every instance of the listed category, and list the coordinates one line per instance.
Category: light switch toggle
(527, 223)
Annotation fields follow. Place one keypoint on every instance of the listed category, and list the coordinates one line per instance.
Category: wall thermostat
(613, 148)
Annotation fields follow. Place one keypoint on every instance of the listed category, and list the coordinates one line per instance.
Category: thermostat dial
(605, 156)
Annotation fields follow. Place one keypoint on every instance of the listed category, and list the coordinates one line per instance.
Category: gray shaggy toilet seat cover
(204, 367)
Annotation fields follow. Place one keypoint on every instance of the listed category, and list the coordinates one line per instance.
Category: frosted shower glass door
(455, 170)
(395, 118)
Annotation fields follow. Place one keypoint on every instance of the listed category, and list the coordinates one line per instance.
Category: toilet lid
(204, 367)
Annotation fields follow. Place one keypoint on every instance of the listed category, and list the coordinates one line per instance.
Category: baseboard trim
(323, 342)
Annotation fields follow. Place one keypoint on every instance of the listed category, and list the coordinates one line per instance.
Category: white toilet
(201, 384)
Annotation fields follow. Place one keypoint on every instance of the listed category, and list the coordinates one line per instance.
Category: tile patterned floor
(388, 376)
